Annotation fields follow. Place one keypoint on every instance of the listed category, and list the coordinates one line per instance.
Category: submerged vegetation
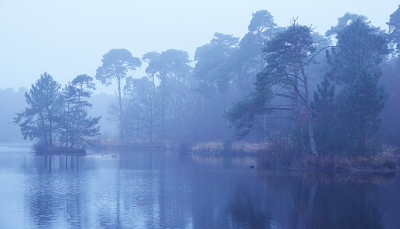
(294, 97)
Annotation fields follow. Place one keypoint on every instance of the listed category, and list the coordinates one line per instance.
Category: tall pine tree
(356, 64)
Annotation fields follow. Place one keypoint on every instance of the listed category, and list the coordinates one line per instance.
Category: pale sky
(66, 38)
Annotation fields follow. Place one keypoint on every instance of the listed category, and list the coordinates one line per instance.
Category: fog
(183, 114)
(68, 38)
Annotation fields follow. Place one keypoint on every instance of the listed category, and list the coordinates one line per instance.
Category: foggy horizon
(66, 39)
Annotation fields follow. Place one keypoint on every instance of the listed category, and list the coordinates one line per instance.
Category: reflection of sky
(139, 190)
(11, 199)
(12, 182)
(155, 190)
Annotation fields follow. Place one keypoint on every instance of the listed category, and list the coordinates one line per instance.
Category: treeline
(347, 120)
(336, 92)
(10, 102)
(178, 102)
(275, 84)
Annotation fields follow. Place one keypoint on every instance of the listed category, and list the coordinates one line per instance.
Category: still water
(165, 190)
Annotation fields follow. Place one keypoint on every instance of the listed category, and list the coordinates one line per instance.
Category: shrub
(275, 155)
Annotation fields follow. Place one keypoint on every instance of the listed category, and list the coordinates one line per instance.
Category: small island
(58, 118)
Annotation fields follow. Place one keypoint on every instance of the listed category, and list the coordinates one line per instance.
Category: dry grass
(214, 148)
(236, 148)
(248, 147)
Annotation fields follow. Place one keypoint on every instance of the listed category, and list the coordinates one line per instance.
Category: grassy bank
(270, 155)
(275, 156)
(283, 156)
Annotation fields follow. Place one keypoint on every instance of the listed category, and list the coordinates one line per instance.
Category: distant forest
(320, 93)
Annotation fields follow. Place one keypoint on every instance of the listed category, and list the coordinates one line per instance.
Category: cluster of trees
(263, 85)
(58, 117)
(177, 101)
(347, 122)
(319, 93)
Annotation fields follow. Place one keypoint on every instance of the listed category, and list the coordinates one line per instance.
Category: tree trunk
(151, 110)
(309, 114)
(311, 133)
(162, 107)
(297, 110)
(121, 121)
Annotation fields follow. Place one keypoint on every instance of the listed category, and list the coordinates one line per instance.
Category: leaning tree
(287, 55)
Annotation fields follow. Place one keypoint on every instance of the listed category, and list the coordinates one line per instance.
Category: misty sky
(66, 38)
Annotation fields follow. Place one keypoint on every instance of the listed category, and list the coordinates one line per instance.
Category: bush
(275, 155)
(38, 147)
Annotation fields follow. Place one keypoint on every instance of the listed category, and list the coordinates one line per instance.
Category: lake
(168, 190)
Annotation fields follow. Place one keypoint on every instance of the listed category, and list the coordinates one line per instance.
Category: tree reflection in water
(146, 190)
(54, 190)
(246, 213)
(324, 202)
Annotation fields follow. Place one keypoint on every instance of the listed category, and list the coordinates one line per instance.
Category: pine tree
(287, 55)
(356, 64)
(359, 107)
(39, 120)
(78, 128)
(323, 107)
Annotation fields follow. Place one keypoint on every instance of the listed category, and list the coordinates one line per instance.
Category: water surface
(166, 190)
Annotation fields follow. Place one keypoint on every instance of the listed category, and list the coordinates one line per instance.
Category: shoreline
(64, 151)
(268, 156)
